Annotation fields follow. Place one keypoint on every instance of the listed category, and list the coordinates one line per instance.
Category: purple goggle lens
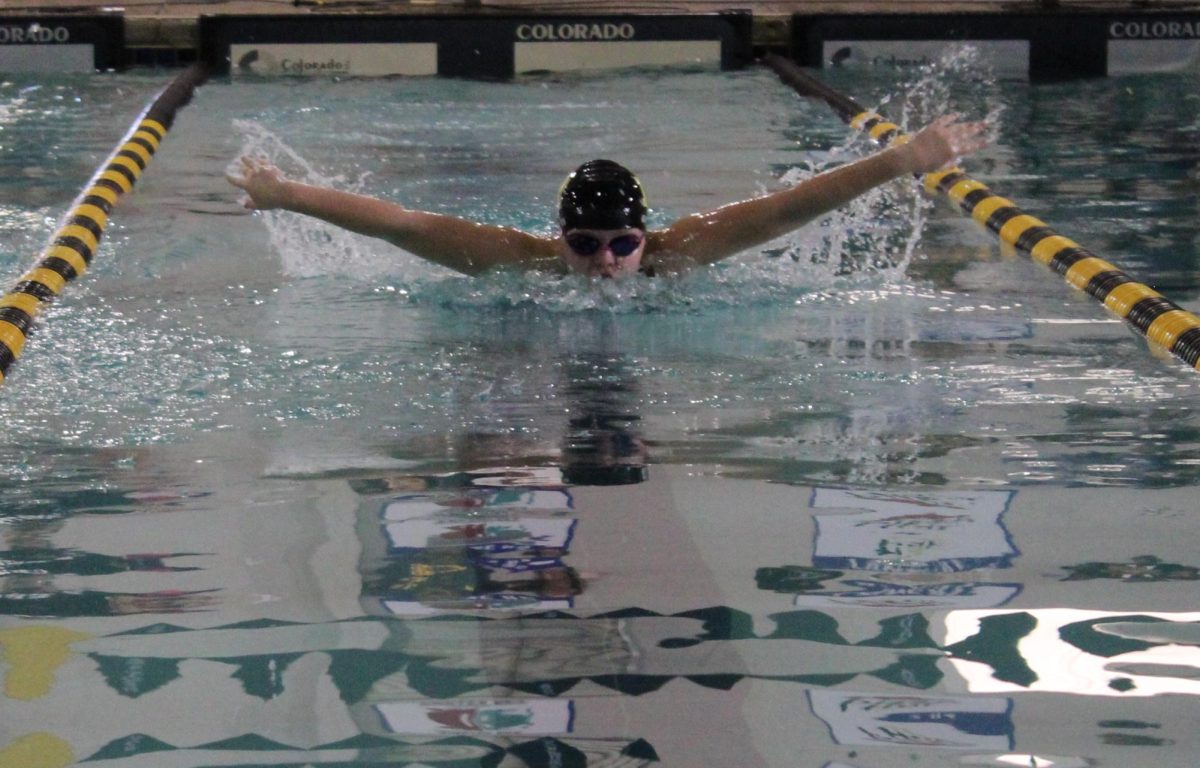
(589, 245)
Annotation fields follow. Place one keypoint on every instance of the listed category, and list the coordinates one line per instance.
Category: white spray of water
(960, 75)
(308, 247)
(879, 233)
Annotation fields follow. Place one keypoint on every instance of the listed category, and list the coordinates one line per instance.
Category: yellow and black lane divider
(1162, 321)
(77, 238)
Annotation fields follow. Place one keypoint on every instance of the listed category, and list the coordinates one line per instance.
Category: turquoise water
(881, 494)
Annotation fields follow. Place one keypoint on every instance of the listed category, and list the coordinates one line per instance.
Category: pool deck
(175, 24)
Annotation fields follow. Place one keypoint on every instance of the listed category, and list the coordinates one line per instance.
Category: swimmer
(601, 224)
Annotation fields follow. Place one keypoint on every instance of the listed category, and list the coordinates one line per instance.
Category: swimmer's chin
(594, 275)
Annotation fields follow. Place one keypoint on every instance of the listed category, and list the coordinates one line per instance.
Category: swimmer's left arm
(703, 238)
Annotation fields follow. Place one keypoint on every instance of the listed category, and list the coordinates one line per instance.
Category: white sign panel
(1129, 57)
(47, 58)
(324, 59)
(566, 56)
(1007, 57)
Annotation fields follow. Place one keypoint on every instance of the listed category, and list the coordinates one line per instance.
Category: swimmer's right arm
(462, 245)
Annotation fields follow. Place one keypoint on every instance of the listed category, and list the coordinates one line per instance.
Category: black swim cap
(601, 194)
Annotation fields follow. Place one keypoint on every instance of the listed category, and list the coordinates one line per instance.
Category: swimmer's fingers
(941, 143)
(963, 137)
(257, 177)
(239, 171)
(246, 167)
(235, 177)
(970, 137)
(238, 179)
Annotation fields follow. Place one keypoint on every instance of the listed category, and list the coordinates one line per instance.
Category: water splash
(880, 232)
(876, 233)
(308, 247)
(960, 81)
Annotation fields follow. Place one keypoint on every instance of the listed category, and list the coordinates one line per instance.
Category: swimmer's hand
(942, 143)
(263, 183)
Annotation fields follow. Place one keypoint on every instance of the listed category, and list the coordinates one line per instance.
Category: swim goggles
(589, 245)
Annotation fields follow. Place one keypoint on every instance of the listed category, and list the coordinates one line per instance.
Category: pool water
(880, 494)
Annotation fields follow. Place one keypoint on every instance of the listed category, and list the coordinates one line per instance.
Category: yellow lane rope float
(1163, 322)
(74, 243)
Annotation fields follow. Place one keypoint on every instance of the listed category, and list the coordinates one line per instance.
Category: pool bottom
(498, 613)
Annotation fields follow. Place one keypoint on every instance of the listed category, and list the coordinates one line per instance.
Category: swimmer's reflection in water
(602, 450)
(497, 533)
(602, 445)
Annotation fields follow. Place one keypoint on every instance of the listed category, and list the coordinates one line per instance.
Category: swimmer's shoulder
(660, 258)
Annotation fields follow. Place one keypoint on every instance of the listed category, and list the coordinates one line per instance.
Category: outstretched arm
(459, 244)
(703, 238)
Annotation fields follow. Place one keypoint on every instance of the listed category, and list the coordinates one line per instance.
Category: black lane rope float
(74, 243)
(1162, 321)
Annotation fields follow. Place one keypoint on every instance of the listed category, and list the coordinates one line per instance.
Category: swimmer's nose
(605, 262)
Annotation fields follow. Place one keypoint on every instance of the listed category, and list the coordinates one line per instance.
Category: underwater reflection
(506, 616)
(489, 538)
(40, 579)
(602, 445)
(567, 684)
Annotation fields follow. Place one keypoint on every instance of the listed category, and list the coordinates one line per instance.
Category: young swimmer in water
(602, 229)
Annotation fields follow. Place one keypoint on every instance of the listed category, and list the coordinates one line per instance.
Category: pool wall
(1044, 43)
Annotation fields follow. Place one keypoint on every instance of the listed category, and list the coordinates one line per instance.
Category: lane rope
(74, 244)
(1160, 320)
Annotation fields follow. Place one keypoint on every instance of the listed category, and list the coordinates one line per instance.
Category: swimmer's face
(605, 253)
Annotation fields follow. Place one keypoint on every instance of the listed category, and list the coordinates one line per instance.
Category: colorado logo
(575, 31)
(1166, 29)
(34, 33)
